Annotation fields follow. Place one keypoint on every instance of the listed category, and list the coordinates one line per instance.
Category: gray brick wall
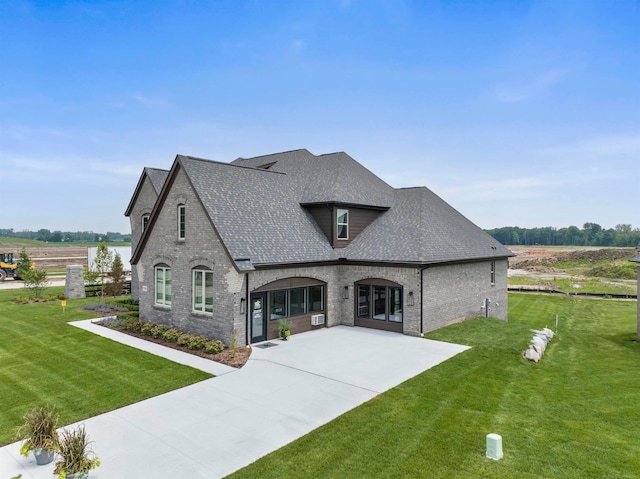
(201, 247)
(453, 293)
(143, 205)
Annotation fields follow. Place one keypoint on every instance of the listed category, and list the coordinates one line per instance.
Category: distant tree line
(591, 234)
(61, 236)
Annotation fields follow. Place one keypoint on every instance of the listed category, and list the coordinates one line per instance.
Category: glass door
(258, 318)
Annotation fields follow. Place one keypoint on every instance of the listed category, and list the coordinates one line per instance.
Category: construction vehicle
(8, 266)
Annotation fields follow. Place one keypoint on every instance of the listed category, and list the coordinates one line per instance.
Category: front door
(258, 317)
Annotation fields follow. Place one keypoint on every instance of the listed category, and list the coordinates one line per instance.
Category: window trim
(340, 211)
(203, 286)
(163, 301)
(182, 222)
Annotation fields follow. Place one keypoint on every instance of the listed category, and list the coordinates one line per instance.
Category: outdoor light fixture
(410, 299)
(243, 303)
(346, 292)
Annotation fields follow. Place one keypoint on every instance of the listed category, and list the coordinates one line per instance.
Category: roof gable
(156, 177)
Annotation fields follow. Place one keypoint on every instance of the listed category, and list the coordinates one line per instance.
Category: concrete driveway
(213, 428)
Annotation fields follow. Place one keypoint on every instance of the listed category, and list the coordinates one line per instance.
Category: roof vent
(266, 166)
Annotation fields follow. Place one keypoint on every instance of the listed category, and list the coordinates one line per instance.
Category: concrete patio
(215, 427)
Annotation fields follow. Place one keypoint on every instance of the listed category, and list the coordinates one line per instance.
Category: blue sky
(521, 113)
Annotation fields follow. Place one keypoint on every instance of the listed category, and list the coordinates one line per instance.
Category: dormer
(341, 223)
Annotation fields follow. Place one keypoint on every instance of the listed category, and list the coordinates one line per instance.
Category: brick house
(224, 249)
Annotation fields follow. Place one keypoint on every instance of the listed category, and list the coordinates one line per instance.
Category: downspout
(246, 309)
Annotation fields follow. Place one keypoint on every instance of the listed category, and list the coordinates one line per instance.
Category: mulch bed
(224, 357)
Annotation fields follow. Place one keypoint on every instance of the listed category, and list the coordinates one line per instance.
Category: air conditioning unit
(317, 319)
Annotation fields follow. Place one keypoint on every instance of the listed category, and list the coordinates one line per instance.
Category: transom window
(182, 222)
(163, 286)
(382, 303)
(203, 291)
(343, 224)
(288, 303)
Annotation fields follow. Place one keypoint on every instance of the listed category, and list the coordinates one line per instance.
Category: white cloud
(515, 92)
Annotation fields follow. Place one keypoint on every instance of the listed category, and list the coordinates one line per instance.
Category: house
(636, 259)
(227, 249)
(139, 211)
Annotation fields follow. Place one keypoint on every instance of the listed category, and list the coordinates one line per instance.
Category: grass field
(576, 414)
(584, 285)
(45, 361)
(6, 242)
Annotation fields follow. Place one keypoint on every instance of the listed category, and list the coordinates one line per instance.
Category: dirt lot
(533, 257)
(54, 257)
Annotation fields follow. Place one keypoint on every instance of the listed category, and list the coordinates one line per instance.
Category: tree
(114, 288)
(102, 263)
(36, 280)
(24, 264)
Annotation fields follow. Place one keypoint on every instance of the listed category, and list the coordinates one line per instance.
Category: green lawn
(576, 414)
(44, 360)
(588, 285)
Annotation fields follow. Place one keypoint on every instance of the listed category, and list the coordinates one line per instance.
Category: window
(163, 286)
(363, 300)
(203, 291)
(316, 299)
(493, 273)
(343, 224)
(182, 221)
(145, 220)
(382, 303)
(395, 305)
(278, 304)
(297, 301)
(286, 303)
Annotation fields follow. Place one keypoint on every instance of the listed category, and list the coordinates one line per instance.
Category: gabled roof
(421, 227)
(256, 206)
(330, 178)
(157, 178)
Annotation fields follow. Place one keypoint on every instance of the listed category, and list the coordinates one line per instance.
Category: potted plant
(284, 328)
(77, 457)
(39, 434)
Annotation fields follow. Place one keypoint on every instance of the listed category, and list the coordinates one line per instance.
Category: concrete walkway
(213, 428)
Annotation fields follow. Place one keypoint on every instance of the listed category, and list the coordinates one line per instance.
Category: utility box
(494, 446)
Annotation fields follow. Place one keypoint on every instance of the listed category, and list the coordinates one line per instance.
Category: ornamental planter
(43, 456)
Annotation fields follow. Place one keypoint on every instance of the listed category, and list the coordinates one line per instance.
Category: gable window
(343, 224)
(145, 221)
(203, 291)
(182, 222)
(163, 286)
(493, 273)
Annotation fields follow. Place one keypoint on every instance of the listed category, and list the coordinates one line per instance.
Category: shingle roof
(157, 177)
(259, 216)
(421, 227)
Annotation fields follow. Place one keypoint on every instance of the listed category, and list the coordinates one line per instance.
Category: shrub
(158, 331)
(172, 335)
(183, 339)
(214, 347)
(197, 342)
(131, 324)
(147, 328)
